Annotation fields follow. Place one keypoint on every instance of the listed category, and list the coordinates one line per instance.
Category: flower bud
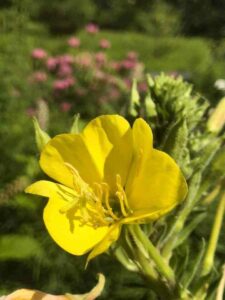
(217, 119)
(135, 100)
(41, 136)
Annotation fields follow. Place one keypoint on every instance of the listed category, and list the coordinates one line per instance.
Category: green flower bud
(41, 136)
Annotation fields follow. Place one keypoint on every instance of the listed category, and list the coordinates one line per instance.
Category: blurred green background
(78, 70)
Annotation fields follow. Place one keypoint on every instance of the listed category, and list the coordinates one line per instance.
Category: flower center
(93, 205)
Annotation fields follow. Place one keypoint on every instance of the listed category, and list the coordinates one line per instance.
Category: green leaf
(176, 141)
(18, 247)
(194, 266)
(185, 233)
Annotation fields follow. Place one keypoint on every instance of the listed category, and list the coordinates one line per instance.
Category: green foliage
(180, 128)
(19, 247)
(70, 15)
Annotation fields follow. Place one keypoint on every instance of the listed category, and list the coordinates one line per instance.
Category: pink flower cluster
(74, 42)
(63, 84)
(39, 76)
(39, 53)
(92, 28)
(104, 44)
(85, 76)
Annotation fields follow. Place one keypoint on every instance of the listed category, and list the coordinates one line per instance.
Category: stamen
(91, 204)
(106, 198)
(79, 184)
(121, 200)
(123, 194)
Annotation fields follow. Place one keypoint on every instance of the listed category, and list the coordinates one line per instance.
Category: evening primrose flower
(25, 294)
(108, 175)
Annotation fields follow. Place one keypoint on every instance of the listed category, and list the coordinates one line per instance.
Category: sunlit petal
(109, 138)
(65, 230)
(70, 149)
(158, 185)
(104, 244)
(142, 147)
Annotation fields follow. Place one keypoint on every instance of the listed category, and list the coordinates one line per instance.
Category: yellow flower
(109, 175)
(25, 294)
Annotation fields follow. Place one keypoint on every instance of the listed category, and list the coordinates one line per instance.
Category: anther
(106, 198)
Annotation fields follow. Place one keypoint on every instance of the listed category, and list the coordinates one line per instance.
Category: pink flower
(65, 70)
(66, 59)
(104, 44)
(73, 42)
(128, 64)
(65, 106)
(63, 84)
(51, 63)
(39, 76)
(92, 28)
(39, 53)
(132, 55)
(100, 57)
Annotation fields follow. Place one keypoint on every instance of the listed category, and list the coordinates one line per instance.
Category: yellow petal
(68, 148)
(46, 188)
(142, 146)
(119, 161)
(104, 244)
(25, 294)
(158, 185)
(109, 139)
(87, 151)
(142, 216)
(63, 228)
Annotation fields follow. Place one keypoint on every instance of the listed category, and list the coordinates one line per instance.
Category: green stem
(153, 252)
(171, 239)
(159, 287)
(210, 253)
(138, 255)
(122, 257)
